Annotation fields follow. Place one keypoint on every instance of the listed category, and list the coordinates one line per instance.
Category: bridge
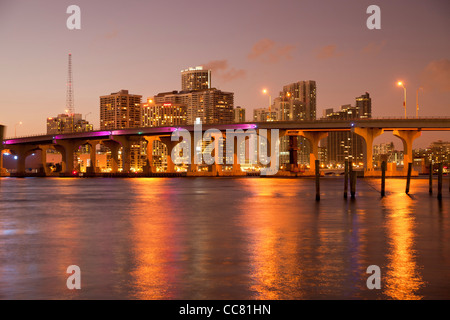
(407, 130)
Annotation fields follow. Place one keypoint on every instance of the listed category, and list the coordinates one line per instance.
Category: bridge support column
(293, 153)
(67, 149)
(236, 161)
(93, 155)
(368, 134)
(150, 140)
(314, 138)
(407, 137)
(193, 167)
(170, 145)
(125, 143)
(2, 170)
(44, 160)
(218, 161)
(113, 147)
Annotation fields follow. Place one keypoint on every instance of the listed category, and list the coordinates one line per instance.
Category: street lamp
(270, 101)
(400, 84)
(15, 128)
(417, 102)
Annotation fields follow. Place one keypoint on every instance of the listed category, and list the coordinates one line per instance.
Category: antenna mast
(69, 95)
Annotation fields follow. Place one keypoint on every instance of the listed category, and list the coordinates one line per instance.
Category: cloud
(373, 48)
(328, 52)
(223, 72)
(267, 50)
(436, 76)
(110, 35)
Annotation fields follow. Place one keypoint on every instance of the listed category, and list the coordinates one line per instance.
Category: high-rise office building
(67, 123)
(195, 79)
(120, 110)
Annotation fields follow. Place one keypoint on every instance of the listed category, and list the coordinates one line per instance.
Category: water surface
(221, 238)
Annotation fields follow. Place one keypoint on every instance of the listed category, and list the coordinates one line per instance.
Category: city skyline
(337, 51)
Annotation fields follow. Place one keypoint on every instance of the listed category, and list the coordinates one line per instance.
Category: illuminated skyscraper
(305, 92)
(195, 79)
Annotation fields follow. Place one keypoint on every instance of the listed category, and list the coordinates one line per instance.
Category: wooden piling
(346, 180)
(383, 178)
(440, 174)
(353, 184)
(317, 180)
(430, 179)
(408, 178)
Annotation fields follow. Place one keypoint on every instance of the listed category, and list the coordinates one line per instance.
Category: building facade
(68, 123)
(195, 79)
(120, 110)
(163, 114)
(304, 92)
(239, 114)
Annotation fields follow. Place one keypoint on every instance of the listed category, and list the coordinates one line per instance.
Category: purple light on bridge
(13, 141)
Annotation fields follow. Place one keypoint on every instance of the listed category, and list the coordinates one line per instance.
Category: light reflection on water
(403, 277)
(208, 238)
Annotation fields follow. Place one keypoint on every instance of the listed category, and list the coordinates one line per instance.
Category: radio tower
(69, 95)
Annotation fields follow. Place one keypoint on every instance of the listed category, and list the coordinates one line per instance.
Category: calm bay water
(220, 238)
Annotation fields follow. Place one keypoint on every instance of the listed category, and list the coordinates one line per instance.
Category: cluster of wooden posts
(350, 175)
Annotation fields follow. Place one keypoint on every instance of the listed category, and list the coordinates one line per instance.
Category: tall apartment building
(364, 106)
(344, 146)
(305, 92)
(68, 123)
(120, 110)
(195, 79)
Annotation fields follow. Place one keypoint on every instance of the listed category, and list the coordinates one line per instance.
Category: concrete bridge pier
(3, 170)
(293, 153)
(125, 143)
(113, 147)
(236, 161)
(193, 167)
(93, 155)
(407, 137)
(150, 140)
(218, 156)
(170, 145)
(46, 169)
(314, 138)
(67, 149)
(369, 135)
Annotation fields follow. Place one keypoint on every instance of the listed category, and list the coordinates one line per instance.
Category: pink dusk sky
(142, 46)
